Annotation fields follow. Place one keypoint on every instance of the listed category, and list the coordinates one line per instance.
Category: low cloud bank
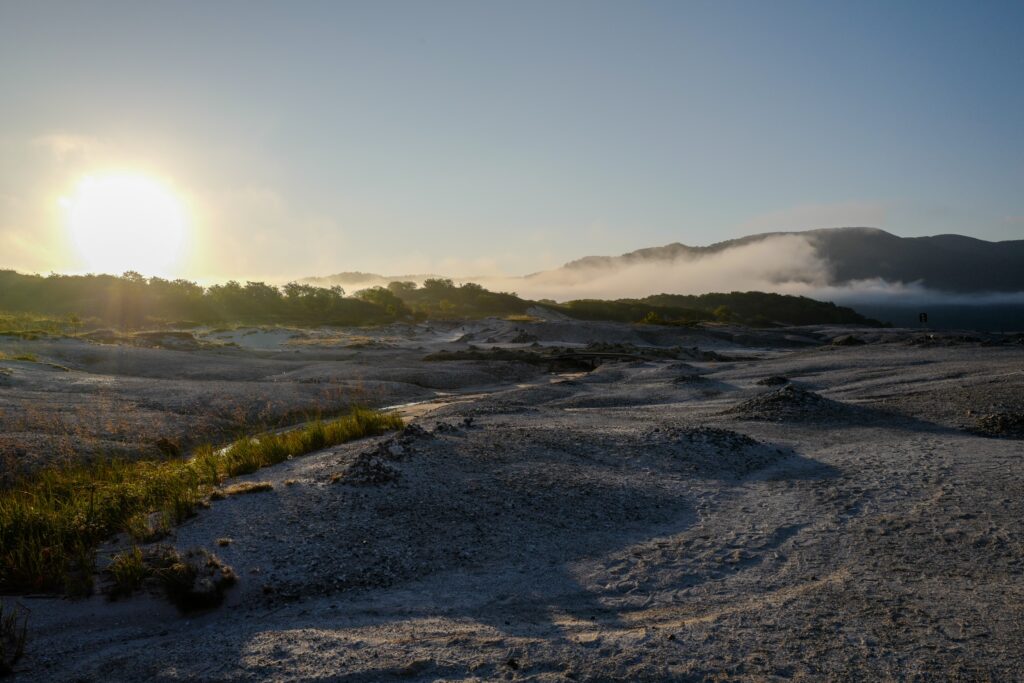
(786, 264)
(775, 263)
(881, 292)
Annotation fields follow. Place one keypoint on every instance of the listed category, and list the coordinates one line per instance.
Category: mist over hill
(845, 256)
(963, 281)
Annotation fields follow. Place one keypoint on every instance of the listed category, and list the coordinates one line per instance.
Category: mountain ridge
(947, 262)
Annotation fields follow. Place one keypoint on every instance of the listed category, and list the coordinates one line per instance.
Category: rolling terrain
(693, 503)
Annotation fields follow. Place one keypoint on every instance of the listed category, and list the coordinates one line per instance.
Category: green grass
(33, 326)
(128, 570)
(52, 522)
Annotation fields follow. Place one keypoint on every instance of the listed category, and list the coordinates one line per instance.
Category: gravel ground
(649, 520)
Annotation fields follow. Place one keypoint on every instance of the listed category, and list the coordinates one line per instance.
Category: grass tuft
(128, 570)
(52, 521)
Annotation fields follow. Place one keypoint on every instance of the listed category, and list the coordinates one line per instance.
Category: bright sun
(126, 221)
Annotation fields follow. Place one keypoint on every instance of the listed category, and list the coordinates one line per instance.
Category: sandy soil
(661, 519)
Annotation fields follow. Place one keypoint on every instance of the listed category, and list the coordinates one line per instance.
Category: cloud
(785, 264)
(767, 265)
(879, 291)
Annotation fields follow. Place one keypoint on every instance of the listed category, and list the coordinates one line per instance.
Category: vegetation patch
(52, 521)
(1004, 424)
(127, 571)
(194, 580)
(27, 357)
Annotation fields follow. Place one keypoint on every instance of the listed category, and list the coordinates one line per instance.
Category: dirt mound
(789, 403)
(367, 469)
(523, 337)
(718, 453)
(773, 381)
(691, 378)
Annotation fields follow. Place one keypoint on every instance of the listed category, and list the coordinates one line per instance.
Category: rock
(848, 340)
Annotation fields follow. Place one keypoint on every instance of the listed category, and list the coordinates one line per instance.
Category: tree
(385, 298)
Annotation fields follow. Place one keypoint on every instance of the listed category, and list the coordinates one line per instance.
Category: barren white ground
(660, 519)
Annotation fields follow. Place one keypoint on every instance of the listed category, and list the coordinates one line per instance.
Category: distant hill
(945, 263)
(961, 281)
(359, 280)
(948, 263)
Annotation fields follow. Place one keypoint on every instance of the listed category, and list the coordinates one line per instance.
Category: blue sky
(474, 137)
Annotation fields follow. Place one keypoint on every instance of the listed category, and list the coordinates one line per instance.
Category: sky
(308, 138)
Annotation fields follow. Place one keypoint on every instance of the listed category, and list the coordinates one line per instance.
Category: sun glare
(126, 221)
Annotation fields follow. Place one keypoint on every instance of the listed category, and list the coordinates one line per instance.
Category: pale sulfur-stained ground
(660, 519)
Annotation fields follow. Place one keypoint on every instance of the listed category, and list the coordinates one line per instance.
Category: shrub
(128, 570)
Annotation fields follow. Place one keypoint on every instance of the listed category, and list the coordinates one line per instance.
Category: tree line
(133, 301)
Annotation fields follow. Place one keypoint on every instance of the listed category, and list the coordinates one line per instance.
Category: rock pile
(367, 469)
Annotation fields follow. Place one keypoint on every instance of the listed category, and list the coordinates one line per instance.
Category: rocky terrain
(695, 504)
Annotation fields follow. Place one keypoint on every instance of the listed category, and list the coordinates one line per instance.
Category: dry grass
(28, 357)
(52, 521)
(243, 488)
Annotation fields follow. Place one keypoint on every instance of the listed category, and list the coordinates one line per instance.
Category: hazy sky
(474, 137)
